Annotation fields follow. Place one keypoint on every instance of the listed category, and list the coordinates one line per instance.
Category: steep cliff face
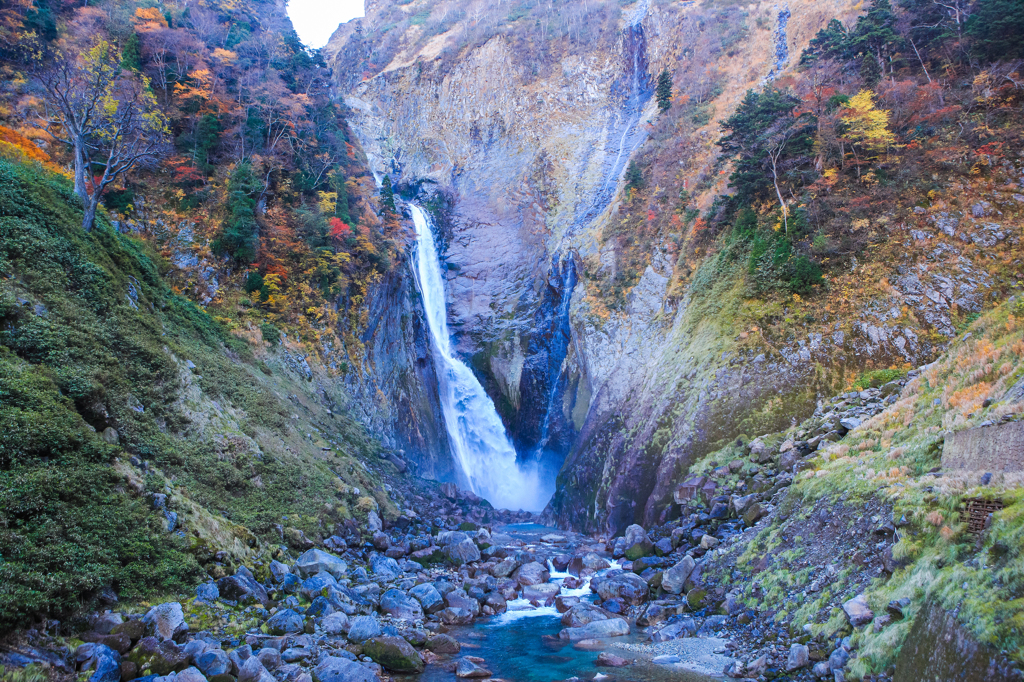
(530, 136)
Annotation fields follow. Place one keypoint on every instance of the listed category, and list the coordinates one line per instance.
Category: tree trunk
(89, 216)
(80, 171)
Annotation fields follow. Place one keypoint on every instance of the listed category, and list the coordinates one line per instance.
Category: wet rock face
(938, 648)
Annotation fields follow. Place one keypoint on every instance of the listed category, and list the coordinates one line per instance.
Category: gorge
(601, 339)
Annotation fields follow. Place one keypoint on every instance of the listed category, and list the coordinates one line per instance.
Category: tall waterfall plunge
(478, 440)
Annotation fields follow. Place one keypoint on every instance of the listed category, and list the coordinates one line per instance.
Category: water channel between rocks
(522, 645)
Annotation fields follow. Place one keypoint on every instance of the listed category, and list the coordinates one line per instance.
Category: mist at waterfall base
(482, 451)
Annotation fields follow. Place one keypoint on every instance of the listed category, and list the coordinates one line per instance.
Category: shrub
(270, 333)
(877, 377)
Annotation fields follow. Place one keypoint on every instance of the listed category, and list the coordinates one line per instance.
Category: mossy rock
(394, 654)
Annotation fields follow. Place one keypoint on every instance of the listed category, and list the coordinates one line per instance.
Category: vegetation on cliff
(146, 440)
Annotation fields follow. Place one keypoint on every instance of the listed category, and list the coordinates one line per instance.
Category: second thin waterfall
(479, 443)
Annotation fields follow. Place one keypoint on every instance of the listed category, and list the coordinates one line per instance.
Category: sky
(316, 20)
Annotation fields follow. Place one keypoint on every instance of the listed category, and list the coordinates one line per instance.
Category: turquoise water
(514, 649)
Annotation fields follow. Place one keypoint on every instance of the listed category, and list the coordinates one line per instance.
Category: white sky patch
(316, 20)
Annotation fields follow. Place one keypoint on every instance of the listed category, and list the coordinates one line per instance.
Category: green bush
(271, 334)
(877, 377)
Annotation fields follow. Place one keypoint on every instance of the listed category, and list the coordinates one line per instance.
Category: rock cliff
(525, 122)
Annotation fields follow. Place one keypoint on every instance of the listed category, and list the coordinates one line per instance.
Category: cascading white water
(477, 436)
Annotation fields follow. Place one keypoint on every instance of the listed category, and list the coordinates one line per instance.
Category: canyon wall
(528, 134)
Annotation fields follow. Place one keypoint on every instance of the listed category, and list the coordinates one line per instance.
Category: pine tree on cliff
(664, 91)
(387, 196)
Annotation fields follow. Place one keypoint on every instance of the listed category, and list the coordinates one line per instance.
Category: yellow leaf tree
(867, 128)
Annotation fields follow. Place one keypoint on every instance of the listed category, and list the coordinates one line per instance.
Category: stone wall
(988, 448)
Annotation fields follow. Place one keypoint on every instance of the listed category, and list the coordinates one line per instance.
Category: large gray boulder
(105, 662)
(461, 552)
(335, 624)
(385, 568)
(623, 585)
(242, 587)
(598, 629)
(398, 604)
(428, 597)
(253, 671)
(166, 621)
(394, 654)
(213, 662)
(532, 573)
(314, 561)
(363, 628)
(284, 622)
(673, 580)
(685, 627)
(336, 669)
(638, 544)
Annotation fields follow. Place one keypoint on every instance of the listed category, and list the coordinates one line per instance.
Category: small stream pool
(514, 648)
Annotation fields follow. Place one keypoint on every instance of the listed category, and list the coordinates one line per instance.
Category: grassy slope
(883, 466)
(91, 337)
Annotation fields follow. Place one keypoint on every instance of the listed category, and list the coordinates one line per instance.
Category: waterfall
(478, 440)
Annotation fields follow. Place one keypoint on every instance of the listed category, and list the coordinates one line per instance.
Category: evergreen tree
(387, 196)
(634, 177)
(131, 55)
(341, 209)
(664, 91)
(875, 34)
(997, 27)
(829, 43)
(239, 237)
(770, 143)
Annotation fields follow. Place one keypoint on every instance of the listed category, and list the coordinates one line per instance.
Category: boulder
(394, 654)
(242, 587)
(443, 644)
(685, 627)
(458, 599)
(207, 592)
(462, 553)
(363, 628)
(398, 604)
(385, 568)
(496, 602)
(105, 662)
(622, 585)
(674, 579)
(105, 623)
(583, 613)
(637, 543)
(598, 629)
(166, 622)
(466, 668)
(270, 658)
(504, 568)
(315, 561)
(335, 624)
(284, 622)
(542, 594)
(278, 571)
(429, 598)
(533, 573)
(857, 611)
(336, 669)
(607, 660)
(213, 662)
(190, 675)
(135, 629)
(454, 615)
(799, 657)
(253, 671)
(158, 658)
